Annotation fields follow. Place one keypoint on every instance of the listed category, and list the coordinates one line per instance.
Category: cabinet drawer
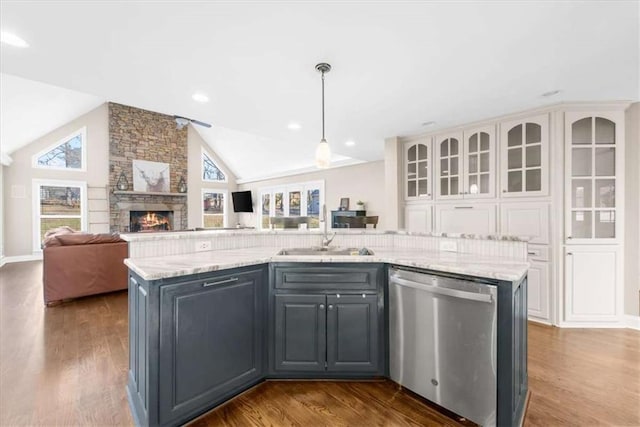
(328, 278)
(538, 253)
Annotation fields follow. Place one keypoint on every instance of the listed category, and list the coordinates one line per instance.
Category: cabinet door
(300, 332)
(418, 170)
(418, 218)
(466, 218)
(526, 219)
(524, 157)
(593, 280)
(449, 183)
(352, 333)
(210, 342)
(479, 155)
(538, 287)
(593, 160)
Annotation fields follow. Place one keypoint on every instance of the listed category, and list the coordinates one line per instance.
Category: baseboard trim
(540, 321)
(632, 322)
(21, 258)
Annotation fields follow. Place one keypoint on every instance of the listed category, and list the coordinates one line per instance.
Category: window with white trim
(210, 170)
(290, 201)
(214, 208)
(68, 153)
(56, 204)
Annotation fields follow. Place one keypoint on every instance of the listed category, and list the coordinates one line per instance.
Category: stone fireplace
(136, 134)
(141, 221)
(168, 216)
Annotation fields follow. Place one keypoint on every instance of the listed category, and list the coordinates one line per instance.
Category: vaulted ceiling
(395, 65)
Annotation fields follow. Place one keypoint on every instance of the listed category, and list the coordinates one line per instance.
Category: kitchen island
(205, 326)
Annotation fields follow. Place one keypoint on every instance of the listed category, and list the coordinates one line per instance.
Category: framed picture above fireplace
(151, 176)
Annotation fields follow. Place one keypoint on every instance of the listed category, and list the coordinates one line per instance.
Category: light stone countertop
(203, 262)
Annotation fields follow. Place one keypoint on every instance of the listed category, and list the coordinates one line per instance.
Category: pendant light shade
(323, 152)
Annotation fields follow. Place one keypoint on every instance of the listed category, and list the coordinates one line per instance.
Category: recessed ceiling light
(350, 143)
(551, 93)
(200, 97)
(294, 126)
(12, 40)
(430, 123)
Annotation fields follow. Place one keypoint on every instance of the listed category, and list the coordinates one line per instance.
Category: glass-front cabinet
(524, 157)
(593, 158)
(417, 170)
(465, 164)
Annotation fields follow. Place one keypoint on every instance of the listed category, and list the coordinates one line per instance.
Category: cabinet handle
(463, 207)
(337, 295)
(532, 253)
(504, 191)
(569, 237)
(221, 282)
(330, 306)
(321, 306)
(364, 295)
(569, 253)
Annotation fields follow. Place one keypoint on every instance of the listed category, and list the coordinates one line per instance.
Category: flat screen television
(242, 201)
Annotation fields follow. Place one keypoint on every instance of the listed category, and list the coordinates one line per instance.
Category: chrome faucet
(326, 240)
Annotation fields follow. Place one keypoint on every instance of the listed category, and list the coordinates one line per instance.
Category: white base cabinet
(593, 284)
(418, 218)
(477, 218)
(538, 287)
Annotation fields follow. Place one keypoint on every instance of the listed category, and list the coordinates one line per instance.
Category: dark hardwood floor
(66, 365)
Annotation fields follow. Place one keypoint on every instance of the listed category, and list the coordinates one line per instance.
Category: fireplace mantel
(149, 193)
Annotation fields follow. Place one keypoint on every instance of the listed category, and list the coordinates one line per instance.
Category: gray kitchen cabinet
(327, 320)
(352, 333)
(197, 341)
(300, 337)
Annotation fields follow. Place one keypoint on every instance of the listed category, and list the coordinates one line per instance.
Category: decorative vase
(122, 184)
(360, 206)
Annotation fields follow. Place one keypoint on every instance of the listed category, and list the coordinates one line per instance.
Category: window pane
(473, 143)
(581, 131)
(213, 203)
(454, 186)
(266, 203)
(605, 161)
(605, 193)
(444, 167)
(210, 171)
(444, 148)
(514, 158)
(411, 189)
(423, 187)
(534, 180)
(279, 204)
(66, 155)
(581, 193)
(412, 153)
(47, 224)
(533, 156)
(581, 162)
(514, 136)
(454, 166)
(213, 221)
(533, 133)
(605, 131)
(514, 181)
(484, 183)
(294, 203)
(454, 147)
(60, 200)
(605, 224)
(444, 186)
(423, 172)
(581, 224)
(422, 152)
(473, 163)
(411, 170)
(484, 162)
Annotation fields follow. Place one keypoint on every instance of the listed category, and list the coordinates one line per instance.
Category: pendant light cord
(323, 105)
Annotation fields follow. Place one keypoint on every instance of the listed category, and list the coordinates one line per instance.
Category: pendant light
(323, 152)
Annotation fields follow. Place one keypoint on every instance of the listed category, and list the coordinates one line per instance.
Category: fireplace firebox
(150, 221)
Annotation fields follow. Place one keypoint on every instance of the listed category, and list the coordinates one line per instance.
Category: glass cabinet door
(417, 170)
(524, 157)
(449, 166)
(591, 176)
(479, 169)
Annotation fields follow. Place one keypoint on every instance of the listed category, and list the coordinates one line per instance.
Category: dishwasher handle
(442, 291)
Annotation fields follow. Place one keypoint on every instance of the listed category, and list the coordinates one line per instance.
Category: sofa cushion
(88, 239)
(50, 236)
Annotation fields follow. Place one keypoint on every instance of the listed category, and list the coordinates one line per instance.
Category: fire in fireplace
(150, 221)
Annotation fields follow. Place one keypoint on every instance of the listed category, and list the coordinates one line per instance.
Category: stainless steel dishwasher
(443, 341)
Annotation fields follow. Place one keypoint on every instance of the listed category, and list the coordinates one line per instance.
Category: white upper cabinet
(465, 164)
(417, 169)
(524, 157)
(593, 164)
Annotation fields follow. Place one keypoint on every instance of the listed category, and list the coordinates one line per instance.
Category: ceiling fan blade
(198, 122)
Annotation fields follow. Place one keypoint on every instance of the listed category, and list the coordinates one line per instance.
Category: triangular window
(211, 171)
(66, 154)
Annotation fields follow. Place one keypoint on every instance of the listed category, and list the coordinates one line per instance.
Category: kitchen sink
(321, 251)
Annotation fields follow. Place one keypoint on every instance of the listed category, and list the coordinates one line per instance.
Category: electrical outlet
(448, 246)
(203, 245)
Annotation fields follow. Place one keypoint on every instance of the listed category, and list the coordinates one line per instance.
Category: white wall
(632, 212)
(196, 184)
(1, 214)
(359, 182)
(18, 211)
